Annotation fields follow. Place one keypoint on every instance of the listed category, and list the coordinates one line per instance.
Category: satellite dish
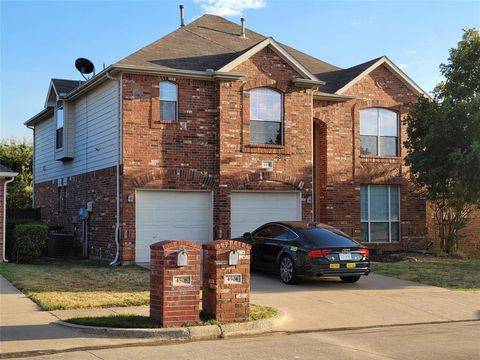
(85, 66)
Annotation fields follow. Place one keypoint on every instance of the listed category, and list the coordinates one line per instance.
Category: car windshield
(320, 237)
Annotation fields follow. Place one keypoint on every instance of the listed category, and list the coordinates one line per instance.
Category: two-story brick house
(214, 130)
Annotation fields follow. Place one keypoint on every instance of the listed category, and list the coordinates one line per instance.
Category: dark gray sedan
(295, 249)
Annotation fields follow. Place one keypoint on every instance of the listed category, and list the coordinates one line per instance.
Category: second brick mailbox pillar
(226, 280)
(175, 282)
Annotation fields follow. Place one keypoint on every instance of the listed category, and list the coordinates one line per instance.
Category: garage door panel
(171, 215)
(249, 210)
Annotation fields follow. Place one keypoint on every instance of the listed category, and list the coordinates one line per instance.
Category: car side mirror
(247, 236)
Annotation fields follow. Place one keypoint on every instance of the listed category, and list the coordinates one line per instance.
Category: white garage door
(251, 209)
(171, 215)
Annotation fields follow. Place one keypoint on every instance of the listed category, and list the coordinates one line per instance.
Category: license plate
(334, 266)
(345, 256)
(350, 265)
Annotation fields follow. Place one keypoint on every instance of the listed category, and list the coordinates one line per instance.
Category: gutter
(319, 95)
(119, 149)
(12, 175)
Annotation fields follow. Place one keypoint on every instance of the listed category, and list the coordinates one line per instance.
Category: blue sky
(41, 40)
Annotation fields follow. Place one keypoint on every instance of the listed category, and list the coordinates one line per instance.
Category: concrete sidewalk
(315, 304)
(24, 327)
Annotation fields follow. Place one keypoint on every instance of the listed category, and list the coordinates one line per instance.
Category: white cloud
(360, 22)
(410, 52)
(403, 66)
(229, 7)
(430, 40)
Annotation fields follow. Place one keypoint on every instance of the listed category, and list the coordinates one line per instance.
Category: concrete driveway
(375, 300)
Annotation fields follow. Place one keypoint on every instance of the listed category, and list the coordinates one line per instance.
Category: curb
(207, 332)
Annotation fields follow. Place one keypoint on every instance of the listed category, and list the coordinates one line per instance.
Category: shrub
(27, 241)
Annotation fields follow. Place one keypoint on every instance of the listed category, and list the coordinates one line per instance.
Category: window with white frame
(59, 119)
(379, 132)
(266, 116)
(380, 213)
(168, 101)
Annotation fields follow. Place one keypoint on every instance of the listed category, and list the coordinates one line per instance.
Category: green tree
(444, 141)
(18, 156)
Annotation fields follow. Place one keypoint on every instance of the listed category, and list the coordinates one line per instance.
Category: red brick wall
(2, 188)
(166, 155)
(184, 154)
(240, 162)
(60, 206)
(346, 169)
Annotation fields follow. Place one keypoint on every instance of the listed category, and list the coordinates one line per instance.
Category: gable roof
(356, 73)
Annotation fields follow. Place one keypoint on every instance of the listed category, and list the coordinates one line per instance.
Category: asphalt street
(447, 341)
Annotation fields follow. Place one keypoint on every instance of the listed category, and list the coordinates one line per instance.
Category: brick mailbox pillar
(226, 287)
(174, 283)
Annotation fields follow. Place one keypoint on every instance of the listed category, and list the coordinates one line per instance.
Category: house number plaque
(232, 279)
(182, 280)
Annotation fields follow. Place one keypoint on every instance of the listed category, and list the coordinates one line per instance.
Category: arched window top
(266, 116)
(379, 129)
(168, 94)
(265, 104)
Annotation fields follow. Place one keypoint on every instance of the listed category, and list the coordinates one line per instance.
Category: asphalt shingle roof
(4, 169)
(210, 42)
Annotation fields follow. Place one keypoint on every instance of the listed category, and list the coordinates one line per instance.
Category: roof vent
(242, 34)
(182, 16)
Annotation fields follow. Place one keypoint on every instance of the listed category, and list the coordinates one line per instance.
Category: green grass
(257, 312)
(79, 284)
(447, 272)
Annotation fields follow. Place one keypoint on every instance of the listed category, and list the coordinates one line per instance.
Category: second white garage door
(251, 209)
(171, 215)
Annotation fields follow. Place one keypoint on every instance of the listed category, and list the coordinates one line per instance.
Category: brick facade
(208, 149)
(60, 206)
(341, 169)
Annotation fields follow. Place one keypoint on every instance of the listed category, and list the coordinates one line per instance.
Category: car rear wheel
(288, 273)
(350, 279)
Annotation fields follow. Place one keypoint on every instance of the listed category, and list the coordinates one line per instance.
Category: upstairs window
(266, 117)
(378, 132)
(168, 101)
(59, 118)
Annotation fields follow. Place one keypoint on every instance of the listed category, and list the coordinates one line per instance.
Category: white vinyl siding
(92, 132)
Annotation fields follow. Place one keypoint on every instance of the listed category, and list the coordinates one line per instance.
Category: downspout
(119, 147)
(5, 215)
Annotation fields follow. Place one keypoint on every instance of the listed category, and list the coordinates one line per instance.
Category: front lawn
(79, 284)
(443, 271)
(257, 312)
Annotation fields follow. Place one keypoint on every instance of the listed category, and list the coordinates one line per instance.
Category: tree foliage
(444, 141)
(18, 156)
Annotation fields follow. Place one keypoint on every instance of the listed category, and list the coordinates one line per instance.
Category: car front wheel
(349, 279)
(288, 273)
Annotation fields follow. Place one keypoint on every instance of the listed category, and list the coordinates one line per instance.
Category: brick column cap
(223, 244)
(168, 244)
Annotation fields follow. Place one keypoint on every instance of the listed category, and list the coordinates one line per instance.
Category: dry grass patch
(79, 284)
